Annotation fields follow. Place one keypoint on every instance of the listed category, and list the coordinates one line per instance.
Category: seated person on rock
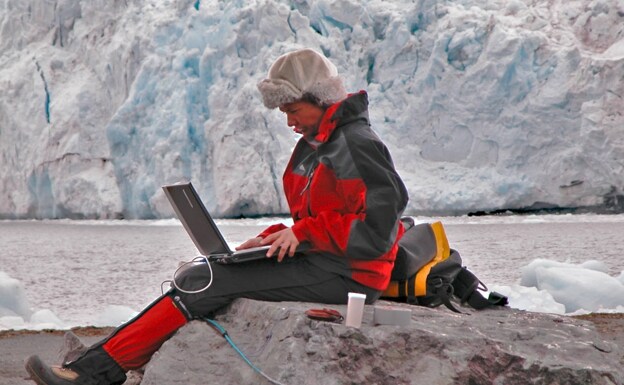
(345, 199)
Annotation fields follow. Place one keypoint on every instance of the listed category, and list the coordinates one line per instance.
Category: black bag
(428, 272)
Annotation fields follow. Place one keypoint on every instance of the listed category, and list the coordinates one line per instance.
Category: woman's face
(303, 117)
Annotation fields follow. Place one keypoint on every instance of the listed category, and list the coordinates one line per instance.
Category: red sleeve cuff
(299, 229)
(272, 229)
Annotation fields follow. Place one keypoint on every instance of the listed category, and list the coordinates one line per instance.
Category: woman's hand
(285, 240)
(253, 242)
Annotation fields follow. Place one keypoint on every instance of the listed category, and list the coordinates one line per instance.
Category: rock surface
(501, 346)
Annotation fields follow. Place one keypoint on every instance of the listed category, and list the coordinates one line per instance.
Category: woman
(345, 199)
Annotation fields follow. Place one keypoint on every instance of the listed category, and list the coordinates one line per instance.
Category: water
(78, 268)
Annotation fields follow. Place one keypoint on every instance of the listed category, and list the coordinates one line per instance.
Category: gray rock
(499, 346)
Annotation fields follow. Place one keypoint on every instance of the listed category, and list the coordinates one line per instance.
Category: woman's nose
(290, 121)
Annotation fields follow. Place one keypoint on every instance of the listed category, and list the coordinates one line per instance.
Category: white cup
(355, 309)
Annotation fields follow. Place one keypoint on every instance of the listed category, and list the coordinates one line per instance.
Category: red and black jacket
(345, 196)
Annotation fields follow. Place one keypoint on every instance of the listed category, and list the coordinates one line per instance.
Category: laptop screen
(196, 219)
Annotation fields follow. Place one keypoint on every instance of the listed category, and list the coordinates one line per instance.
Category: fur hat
(298, 73)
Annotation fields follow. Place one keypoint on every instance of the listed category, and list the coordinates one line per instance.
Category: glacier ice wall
(485, 105)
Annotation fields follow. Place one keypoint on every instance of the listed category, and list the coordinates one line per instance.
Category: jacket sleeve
(272, 229)
(374, 198)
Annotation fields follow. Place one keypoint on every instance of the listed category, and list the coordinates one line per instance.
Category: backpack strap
(443, 251)
(466, 286)
(444, 293)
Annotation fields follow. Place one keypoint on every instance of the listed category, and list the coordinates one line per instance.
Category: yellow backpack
(428, 272)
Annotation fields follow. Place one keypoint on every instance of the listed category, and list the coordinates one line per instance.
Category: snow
(566, 288)
(484, 104)
(15, 311)
(580, 287)
(546, 286)
(12, 297)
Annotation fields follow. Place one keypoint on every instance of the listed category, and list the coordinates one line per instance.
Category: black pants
(293, 279)
(131, 345)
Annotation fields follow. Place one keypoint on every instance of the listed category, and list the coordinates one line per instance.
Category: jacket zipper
(306, 188)
(308, 183)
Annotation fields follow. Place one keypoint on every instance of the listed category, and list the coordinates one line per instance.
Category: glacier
(485, 105)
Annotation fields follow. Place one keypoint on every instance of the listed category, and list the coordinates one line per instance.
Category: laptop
(203, 230)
